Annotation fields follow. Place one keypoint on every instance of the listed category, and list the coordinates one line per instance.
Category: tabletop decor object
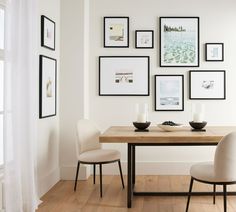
(116, 32)
(198, 112)
(179, 41)
(141, 112)
(141, 126)
(198, 126)
(171, 126)
(142, 123)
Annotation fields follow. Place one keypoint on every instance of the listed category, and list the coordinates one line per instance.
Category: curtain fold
(21, 110)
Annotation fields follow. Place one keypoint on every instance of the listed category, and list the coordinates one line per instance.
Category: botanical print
(47, 102)
(124, 76)
(116, 32)
(179, 41)
(169, 92)
(49, 88)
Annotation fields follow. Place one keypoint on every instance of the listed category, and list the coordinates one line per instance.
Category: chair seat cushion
(204, 172)
(99, 155)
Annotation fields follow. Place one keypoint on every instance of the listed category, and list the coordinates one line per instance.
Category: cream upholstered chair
(89, 150)
(220, 172)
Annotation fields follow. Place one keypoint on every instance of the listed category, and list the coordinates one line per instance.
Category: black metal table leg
(133, 165)
(129, 181)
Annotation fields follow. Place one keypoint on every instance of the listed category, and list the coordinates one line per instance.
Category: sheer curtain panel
(21, 110)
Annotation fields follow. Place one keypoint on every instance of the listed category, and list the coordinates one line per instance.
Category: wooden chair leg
(94, 173)
(189, 194)
(100, 166)
(214, 194)
(77, 173)
(225, 197)
(121, 175)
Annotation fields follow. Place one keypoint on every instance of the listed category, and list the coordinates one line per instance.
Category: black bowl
(198, 125)
(142, 125)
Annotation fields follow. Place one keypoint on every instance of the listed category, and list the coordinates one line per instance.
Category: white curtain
(21, 111)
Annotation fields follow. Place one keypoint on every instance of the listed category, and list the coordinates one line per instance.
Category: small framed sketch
(179, 41)
(207, 84)
(47, 33)
(48, 86)
(214, 52)
(169, 92)
(124, 75)
(144, 39)
(116, 32)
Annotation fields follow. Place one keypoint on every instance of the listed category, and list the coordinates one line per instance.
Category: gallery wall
(217, 19)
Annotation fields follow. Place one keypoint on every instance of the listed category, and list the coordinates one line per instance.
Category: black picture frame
(207, 46)
(106, 19)
(197, 51)
(44, 40)
(206, 84)
(115, 64)
(43, 70)
(137, 46)
(181, 93)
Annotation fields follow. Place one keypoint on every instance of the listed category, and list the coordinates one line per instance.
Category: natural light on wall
(1, 110)
(1, 28)
(1, 82)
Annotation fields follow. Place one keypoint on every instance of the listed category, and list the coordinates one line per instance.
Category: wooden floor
(62, 198)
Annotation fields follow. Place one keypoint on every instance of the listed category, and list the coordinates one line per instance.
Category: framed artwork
(144, 39)
(48, 33)
(124, 75)
(116, 32)
(207, 84)
(214, 52)
(169, 92)
(179, 41)
(47, 86)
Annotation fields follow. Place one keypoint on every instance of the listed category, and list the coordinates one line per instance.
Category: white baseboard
(151, 168)
(68, 172)
(142, 168)
(46, 182)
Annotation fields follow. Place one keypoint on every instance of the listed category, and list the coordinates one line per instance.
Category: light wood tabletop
(126, 134)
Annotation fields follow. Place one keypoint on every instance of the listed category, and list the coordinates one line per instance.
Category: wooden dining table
(157, 137)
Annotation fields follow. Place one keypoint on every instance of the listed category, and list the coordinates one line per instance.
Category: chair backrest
(225, 159)
(88, 136)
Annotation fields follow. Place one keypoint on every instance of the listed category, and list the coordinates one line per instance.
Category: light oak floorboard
(62, 198)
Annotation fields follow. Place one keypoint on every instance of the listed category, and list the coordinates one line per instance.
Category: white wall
(217, 19)
(74, 81)
(48, 128)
